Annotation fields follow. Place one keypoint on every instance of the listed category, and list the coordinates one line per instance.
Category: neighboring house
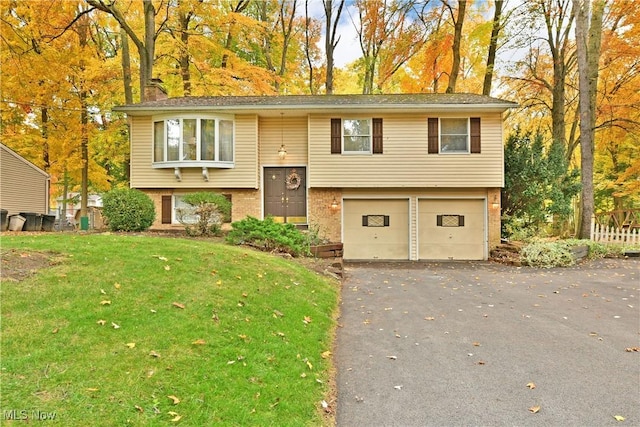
(73, 205)
(24, 187)
(398, 177)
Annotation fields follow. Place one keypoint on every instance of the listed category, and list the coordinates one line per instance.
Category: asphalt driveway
(483, 344)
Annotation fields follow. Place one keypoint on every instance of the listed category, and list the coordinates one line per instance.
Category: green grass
(264, 322)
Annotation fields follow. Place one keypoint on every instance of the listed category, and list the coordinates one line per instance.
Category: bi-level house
(393, 177)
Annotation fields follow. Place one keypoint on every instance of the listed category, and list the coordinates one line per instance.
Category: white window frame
(468, 135)
(369, 136)
(197, 161)
(176, 203)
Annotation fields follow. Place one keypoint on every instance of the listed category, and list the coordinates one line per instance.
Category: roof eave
(145, 110)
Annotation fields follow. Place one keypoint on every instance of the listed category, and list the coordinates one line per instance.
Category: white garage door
(451, 229)
(376, 229)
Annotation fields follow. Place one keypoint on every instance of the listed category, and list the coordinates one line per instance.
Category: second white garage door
(376, 229)
(450, 229)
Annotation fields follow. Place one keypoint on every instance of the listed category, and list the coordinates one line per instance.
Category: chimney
(154, 91)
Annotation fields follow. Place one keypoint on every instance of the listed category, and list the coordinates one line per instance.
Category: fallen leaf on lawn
(219, 282)
(152, 353)
(105, 302)
(531, 386)
(55, 331)
(131, 345)
(177, 304)
(161, 258)
(306, 320)
(92, 389)
(326, 354)
(309, 365)
(115, 325)
(174, 399)
(116, 285)
(534, 409)
(276, 313)
(102, 292)
(199, 342)
(175, 415)
(231, 362)
(619, 417)
(101, 322)
(167, 267)
(303, 375)
(630, 349)
(139, 408)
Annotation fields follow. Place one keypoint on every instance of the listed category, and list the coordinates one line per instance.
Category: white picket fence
(603, 234)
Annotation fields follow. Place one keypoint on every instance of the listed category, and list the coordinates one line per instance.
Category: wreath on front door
(293, 180)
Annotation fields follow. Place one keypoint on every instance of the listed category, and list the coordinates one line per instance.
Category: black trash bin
(3, 219)
(33, 221)
(48, 222)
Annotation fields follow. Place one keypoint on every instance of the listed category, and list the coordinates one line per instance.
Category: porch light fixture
(496, 203)
(178, 174)
(282, 152)
(205, 174)
(334, 204)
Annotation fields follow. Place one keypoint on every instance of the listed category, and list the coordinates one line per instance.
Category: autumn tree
(332, 14)
(496, 26)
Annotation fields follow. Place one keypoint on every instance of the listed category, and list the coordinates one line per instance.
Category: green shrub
(547, 254)
(268, 235)
(205, 214)
(128, 210)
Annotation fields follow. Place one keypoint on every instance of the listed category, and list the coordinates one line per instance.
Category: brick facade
(322, 217)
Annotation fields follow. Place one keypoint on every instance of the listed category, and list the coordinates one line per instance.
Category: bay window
(193, 142)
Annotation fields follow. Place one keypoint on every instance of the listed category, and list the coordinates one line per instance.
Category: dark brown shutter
(432, 128)
(336, 136)
(460, 220)
(474, 123)
(377, 136)
(439, 220)
(386, 220)
(166, 209)
(365, 220)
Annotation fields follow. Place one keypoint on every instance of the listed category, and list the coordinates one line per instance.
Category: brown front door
(285, 194)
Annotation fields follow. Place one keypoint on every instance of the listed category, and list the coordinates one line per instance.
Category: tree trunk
(126, 67)
(185, 73)
(242, 5)
(331, 41)
(493, 47)
(457, 38)
(83, 29)
(588, 38)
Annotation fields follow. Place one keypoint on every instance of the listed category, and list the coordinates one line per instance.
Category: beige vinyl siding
(243, 175)
(405, 161)
(290, 131)
(23, 187)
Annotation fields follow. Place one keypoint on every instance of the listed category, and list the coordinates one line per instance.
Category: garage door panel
(375, 240)
(446, 237)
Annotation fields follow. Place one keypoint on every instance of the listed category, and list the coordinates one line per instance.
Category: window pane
(356, 127)
(189, 139)
(173, 139)
(450, 143)
(357, 143)
(226, 141)
(454, 135)
(207, 139)
(184, 213)
(158, 141)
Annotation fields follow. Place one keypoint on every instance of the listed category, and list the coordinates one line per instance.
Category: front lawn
(139, 330)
